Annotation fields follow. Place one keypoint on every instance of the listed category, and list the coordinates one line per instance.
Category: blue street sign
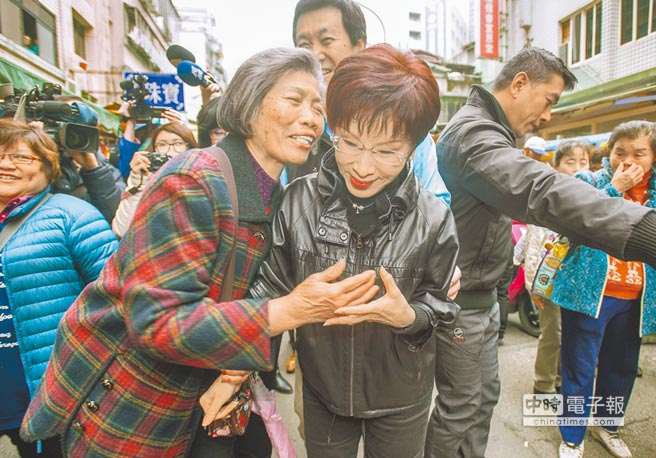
(165, 89)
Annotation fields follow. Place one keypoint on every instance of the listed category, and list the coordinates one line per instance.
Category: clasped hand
(214, 400)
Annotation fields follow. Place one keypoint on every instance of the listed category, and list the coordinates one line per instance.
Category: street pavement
(508, 438)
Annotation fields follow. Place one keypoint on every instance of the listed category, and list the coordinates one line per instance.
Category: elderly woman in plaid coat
(140, 346)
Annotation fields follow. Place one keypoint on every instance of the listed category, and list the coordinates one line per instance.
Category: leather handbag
(236, 422)
(545, 276)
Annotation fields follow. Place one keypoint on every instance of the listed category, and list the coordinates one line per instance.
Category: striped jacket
(137, 349)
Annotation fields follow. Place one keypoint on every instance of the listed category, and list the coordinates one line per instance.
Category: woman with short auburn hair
(368, 368)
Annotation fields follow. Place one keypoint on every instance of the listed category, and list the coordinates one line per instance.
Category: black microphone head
(126, 85)
(176, 53)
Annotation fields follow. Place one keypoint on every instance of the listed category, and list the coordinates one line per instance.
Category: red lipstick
(360, 184)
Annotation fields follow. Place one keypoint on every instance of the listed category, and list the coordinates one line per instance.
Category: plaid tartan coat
(138, 347)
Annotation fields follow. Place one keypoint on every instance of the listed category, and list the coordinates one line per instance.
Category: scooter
(519, 299)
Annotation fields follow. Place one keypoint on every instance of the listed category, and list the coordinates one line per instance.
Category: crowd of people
(139, 302)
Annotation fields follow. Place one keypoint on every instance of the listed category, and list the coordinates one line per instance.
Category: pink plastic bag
(265, 406)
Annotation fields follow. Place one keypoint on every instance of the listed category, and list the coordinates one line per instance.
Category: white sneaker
(611, 440)
(567, 450)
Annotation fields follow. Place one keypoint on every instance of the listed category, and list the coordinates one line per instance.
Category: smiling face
(532, 102)
(289, 121)
(322, 32)
(629, 151)
(365, 176)
(18, 180)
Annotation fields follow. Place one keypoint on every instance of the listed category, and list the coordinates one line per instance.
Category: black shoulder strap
(226, 167)
(12, 225)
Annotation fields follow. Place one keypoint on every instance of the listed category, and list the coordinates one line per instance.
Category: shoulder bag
(235, 423)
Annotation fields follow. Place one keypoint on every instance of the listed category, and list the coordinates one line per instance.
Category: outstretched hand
(318, 296)
(392, 309)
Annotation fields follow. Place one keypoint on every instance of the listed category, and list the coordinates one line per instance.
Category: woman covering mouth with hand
(368, 367)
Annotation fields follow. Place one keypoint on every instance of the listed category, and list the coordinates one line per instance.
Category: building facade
(85, 46)
(610, 45)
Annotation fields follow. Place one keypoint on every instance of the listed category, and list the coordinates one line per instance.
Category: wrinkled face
(532, 103)
(322, 32)
(289, 121)
(574, 162)
(170, 143)
(17, 179)
(363, 174)
(627, 151)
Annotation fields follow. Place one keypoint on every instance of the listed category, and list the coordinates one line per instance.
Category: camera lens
(76, 139)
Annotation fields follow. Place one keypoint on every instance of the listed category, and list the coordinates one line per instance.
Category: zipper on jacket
(603, 289)
(358, 268)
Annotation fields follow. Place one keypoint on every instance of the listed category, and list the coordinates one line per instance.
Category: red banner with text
(489, 40)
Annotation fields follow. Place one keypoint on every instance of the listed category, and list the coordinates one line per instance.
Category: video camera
(135, 89)
(72, 126)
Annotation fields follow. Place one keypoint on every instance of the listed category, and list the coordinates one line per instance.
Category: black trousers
(254, 444)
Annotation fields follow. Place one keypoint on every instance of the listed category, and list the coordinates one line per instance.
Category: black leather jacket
(369, 369)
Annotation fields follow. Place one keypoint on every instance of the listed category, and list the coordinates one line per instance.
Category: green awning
(628, 86)
(25, 80)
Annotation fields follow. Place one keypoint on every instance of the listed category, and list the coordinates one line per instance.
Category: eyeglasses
(164, 147)
(18, 158)
(384, 156)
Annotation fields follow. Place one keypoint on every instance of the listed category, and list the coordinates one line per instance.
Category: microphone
(57, 109)
(176, 54)
(193, 75)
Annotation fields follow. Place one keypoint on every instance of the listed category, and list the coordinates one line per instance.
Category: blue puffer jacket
(581, 282)
(58, 250)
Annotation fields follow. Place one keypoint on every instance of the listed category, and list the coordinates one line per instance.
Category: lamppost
(382, 24)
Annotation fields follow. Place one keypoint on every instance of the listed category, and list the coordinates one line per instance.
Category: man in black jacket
(492, 182)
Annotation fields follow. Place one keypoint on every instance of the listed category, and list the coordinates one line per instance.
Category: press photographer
(85, 173)
(167, 141)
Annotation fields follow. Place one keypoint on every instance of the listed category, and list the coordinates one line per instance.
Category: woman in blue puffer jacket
(60, 246)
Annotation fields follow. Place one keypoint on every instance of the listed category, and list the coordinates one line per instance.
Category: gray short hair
(240, 104)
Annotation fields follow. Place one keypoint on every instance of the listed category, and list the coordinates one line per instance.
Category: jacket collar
(251, 205)
(27, 206)
(402, 201)
(485, 100)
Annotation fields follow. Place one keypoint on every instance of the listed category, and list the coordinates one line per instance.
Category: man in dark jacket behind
(492, 182)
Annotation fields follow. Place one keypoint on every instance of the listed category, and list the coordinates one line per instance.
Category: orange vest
(626, 278)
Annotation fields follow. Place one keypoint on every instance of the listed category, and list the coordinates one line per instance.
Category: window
(638, 19)
(414, 35)
(79, 37)
(414, 17)
(580, 35)
(29, 24)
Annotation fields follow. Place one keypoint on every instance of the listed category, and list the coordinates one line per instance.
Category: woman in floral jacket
(607, 304)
